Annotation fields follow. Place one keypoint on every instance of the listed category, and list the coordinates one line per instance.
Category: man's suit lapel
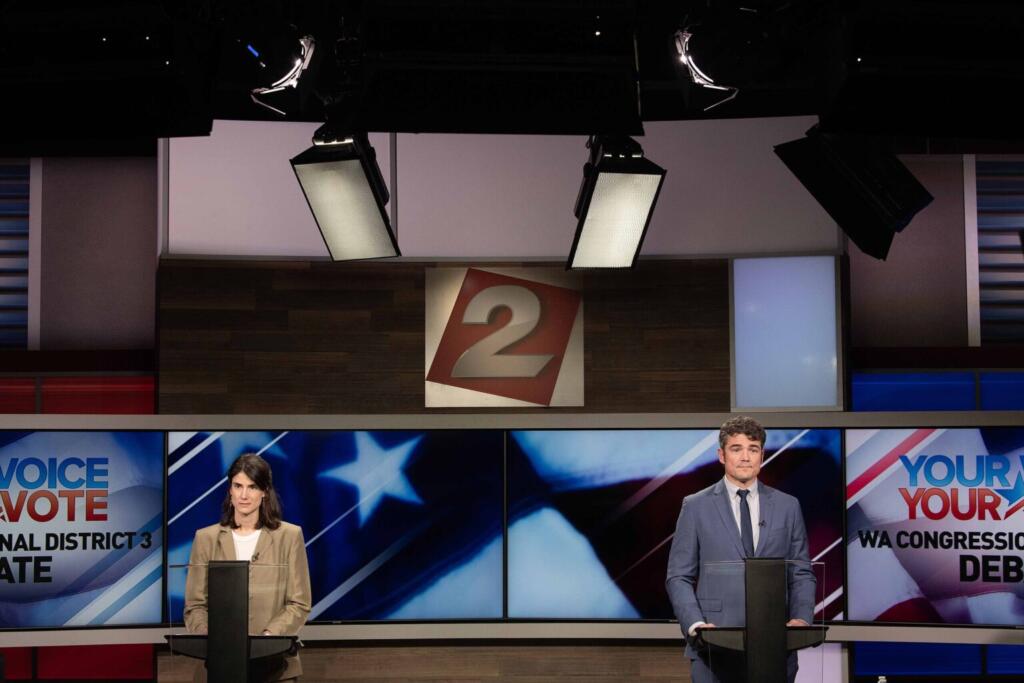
(728, 519)
(765, 502)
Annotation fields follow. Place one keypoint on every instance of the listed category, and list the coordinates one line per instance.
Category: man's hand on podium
(791, 622)
(698, 632)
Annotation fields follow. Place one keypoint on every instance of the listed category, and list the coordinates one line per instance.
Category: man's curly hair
(747, 426)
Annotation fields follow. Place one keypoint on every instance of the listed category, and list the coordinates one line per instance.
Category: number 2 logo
(484, 359)
(506, 336)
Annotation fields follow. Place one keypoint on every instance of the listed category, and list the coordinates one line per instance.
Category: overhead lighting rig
(615, 203)
(345, 190)
(686, 58)
(860, 182)
(306, 48)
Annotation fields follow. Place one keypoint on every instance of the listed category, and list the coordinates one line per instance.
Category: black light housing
(616, 200)
(345, 190)
(862, 185)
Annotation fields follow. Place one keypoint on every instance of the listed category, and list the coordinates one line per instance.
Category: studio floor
(458, 663)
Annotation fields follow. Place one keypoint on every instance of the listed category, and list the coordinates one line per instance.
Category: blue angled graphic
(90, 580)
(398, 524)
(1012, 495)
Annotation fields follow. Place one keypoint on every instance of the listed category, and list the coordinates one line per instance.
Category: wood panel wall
(549, 663)
(324, 338)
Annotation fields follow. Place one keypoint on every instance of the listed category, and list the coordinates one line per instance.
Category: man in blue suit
(727, 522)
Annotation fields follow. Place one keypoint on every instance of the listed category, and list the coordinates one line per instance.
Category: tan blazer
(279, 594)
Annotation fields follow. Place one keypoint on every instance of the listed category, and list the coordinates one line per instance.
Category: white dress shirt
(752, 502)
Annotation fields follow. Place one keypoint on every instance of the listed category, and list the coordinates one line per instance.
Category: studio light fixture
(345, 190)
(861, 183)
(615, 203)
(685, 53)
(290, 79)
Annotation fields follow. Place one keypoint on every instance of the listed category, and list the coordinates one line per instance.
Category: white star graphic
(377, 472)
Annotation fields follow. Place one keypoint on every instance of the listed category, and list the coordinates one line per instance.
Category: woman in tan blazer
(251, 528)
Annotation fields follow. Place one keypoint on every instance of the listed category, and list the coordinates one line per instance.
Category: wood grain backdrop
(237, 337)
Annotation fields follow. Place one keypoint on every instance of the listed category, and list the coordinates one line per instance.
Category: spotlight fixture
(307, 45)
(345, 191)
(615, 203)
(862, 185)
(685, 54)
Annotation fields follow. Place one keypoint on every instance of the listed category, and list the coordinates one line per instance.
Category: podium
(231, 654)
(764, 640)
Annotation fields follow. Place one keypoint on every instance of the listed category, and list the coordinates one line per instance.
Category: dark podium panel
(228, 648)
(766, 641)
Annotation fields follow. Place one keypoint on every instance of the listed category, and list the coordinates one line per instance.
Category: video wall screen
(81, 520)
(397, 524)
(415, 525)
(605, 504)
(935, 531)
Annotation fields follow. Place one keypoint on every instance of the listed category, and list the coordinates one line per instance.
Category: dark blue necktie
(746, 528)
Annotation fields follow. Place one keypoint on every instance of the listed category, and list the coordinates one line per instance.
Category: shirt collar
(255, 534)
(732, 489)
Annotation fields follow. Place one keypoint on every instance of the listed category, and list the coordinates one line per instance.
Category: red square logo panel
(506, 336)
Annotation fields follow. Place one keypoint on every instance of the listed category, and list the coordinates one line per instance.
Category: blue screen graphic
(933, 521)
(398, 524)
(605, 503)
(894, 391)
(81, 518)
(1002, 390)
(917, 659)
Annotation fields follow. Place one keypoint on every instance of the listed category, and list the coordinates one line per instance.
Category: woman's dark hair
(257, 469)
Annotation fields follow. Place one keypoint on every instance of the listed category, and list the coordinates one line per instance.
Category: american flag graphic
(397, 524)
(605, 503)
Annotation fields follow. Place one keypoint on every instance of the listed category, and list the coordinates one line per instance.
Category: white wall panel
(235, 194)
(488, 195)
(727, 193)
(499, 196)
